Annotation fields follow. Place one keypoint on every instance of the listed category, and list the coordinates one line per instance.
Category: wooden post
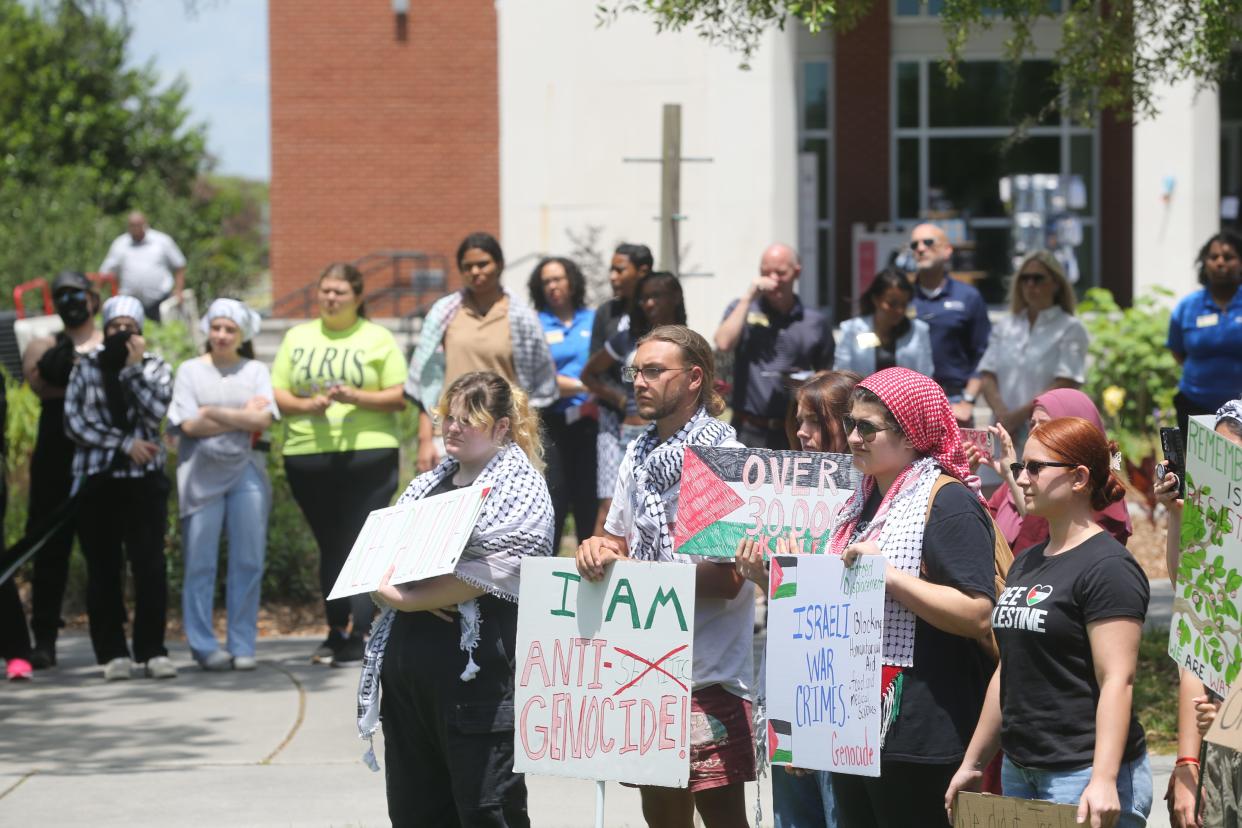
(670, 189)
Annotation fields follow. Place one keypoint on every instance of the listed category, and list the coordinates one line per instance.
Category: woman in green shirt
(337, 381)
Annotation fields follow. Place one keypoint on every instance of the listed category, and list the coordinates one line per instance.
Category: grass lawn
(1155, 692)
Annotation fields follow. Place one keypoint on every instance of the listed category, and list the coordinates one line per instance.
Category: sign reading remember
(422, 539)
(1205, 633)
(603, 672)
(825, 640)
(728, 494)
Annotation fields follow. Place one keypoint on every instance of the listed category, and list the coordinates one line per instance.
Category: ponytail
(1078, 441)
(524, 427)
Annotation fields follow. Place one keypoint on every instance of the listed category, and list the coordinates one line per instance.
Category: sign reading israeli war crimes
(1205, 634)
(728, 494)
(825, 640)
(422, 539)
(603, 672)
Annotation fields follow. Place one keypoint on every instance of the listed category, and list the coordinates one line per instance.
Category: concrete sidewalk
(273, 747)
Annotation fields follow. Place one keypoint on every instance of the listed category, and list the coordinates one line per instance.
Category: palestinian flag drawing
(783, 580)
(780, 741)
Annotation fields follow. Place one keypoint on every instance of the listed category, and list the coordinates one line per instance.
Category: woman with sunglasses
(913, 508)
(1068, 624)
(1039, 346)
(1007, 505)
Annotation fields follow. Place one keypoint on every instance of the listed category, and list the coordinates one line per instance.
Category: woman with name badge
(940, 586)
(222, 401)
(337, 381)
(1205, 331)
(1007, 505)
(885, 336)
(802, 798)
(660, 302)
(1068, 623)
(558, 290)
(1206, 778)
(1040, 345)
(439, 666)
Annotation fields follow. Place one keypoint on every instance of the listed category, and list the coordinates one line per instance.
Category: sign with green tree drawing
(1205, 635)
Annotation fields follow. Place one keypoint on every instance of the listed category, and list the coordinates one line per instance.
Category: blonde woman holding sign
(443, 651)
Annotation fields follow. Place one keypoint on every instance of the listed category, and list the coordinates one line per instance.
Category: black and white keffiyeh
(516, 521)
(657, 468)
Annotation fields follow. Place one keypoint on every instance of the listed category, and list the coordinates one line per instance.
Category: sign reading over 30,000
(603, 672)
(728, 494)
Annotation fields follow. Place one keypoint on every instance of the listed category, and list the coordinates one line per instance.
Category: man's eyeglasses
(1034, 467)
(915, 243)
(866, 429)
(650, 374)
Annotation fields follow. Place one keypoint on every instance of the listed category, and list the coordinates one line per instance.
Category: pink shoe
(19, 669)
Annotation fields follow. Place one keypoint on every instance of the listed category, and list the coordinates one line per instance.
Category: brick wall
(379, 142)
(861, 138)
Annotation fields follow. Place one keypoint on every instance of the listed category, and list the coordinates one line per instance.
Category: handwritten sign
(1226, 730)
(981, 439)
(1205, 633)
(603, 672)
(422, 538)
(974, 810)
(825, 638)
(728, 494)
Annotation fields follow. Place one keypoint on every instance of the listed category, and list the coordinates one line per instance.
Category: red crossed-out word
(651, 665)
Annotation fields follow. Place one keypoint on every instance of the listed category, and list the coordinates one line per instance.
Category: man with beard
(673, 373)
(47, 364)
(117, 397)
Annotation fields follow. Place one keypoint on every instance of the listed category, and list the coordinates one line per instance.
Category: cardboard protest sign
(1226, 730)
(825, 639)
(603, 672)
(981, 438)
(974, 810)
(1205, 633)
(423, 538)
(728, 494)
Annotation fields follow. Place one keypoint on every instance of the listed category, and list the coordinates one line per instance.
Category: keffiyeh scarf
(516, 521)
(1231, 410)
(657, 468)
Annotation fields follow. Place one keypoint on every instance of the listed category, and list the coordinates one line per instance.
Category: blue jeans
(1133, 787)
(803, 801)
(244, 511)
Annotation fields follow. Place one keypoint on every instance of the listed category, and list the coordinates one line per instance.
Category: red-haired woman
(1068, 625)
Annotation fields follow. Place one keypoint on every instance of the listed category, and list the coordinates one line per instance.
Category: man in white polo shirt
(147, 263)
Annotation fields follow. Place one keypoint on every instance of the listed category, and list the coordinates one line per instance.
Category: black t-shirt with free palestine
(1048, 686)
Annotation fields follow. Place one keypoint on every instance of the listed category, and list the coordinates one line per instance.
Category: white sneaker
(244, 662)
(117, 669)
(161, 667)
(217, 662)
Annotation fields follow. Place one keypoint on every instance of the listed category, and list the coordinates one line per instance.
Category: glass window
(819, 146)
(933, 8)
(815, 95)
(908, 177)
(907, 95)
(1082, 162)
(965, 173)
(990, 94)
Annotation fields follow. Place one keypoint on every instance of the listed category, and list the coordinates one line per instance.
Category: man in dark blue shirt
(957, 316)
(773, 336)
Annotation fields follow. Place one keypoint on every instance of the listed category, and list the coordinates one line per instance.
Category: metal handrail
(423, 279)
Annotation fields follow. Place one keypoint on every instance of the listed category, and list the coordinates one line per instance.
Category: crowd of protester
(570, 412)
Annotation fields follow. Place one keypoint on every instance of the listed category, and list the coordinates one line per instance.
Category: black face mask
(115, 351)
(73, 311)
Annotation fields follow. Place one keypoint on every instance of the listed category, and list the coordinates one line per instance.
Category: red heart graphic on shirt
(1037, 593)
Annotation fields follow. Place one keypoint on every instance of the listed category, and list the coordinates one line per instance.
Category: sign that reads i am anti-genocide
(603, 672)
(825, 641)
(1205, 634)
(728, 494)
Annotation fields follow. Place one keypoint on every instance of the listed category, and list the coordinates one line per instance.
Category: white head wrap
(1231, 410)
(244, 317)
(119, 306)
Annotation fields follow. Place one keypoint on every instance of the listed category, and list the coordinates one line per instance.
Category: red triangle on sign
(704, 499)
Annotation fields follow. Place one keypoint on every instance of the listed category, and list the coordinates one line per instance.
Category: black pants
(336, 491)
(50, 482)
(126, 519)
(14, 637)
(448, 743)
(866, 802)
(1187, 408)
(762, 438)
(572, 463)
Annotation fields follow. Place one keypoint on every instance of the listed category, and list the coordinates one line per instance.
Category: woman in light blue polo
(1205, 332)
(885, 336)
(558, 292)
(221, 400)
